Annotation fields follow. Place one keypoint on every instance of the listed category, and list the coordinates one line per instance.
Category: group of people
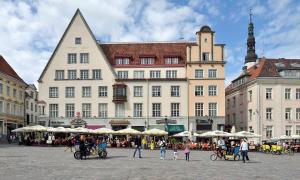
(138, 142)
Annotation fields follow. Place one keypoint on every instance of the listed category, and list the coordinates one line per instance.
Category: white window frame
(175, 109)
(70, 92)
(199, 109)
(120, 110)
(72, 74)
(298, 113)
(156, 91)
(123, 74)
(137, 109)
(102, 91)
(199, 73)
(122, 61)
(138, 74)
(288, 130)
(298, 93)
(199, 91)
(175, 91)
(59, 74)
(269, 113)
(269, 131)
(171, 74)
(70, 110)
(72, 58)
(53, 92)
(171, 60)
(288, 113)
(86, 110)
(147, 60)
(155, 74)
(212, 73)
(102, 110)
(84, 58)
(84, 74)
(156, 109)
(269, 93)
(86, 91)
(53, 110)
(212, 109)
(138, 91)
(97, 74)
(212, 90)
(287, 93)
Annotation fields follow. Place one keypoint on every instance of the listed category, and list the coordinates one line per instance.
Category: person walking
(162, 146)
(175, 151)
(187, 147)
(244, 150)
(138, 145)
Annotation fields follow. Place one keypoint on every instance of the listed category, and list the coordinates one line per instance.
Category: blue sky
(30, 29)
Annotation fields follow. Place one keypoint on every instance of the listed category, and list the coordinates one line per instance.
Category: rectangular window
(53, 92)
(72, 74)
(212, 73)
(78, 40)
(175, 91)
(8, 110)
(138, 74)
(212, 90)
(171, 74)
(175, 109)
(147, 60)
(297, 130)
(84, 58)
(84, 74)
(53, 110)
(205, 56)
(199, 91)
(297, 93)
(120, 61)
(70, 110)
(250, 115)
(288, 130)
(86, 110)
(1, 107)
(287, 93)
(228, 103)
(212, 109)
(156, 110)
(70, 92)
(15, 92)
(156, 91)
(268, 93)
(154, 74)
(7, 90)
(250, 96)
(86, 91)
(31, 106)
(102, 110)
(96, 73)
(269, 131)
(1, 88)
(199, 109)
(138, 91)
(297, 113)
(123, 74)
(102, 91)
(172, 60)
(269, 113)
(199, 73)
(233, 101)
(59, 74)
(137, 110)
(72, 58)
(288, 113)
(120, 110)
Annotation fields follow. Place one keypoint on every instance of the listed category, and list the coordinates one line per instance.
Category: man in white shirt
(244, 150)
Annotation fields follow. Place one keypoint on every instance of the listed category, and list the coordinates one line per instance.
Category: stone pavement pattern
(20, 162)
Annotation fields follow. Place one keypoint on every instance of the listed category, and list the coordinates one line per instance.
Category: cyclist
(221, 145)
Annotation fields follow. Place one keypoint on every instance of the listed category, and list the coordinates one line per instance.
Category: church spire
(251, 55)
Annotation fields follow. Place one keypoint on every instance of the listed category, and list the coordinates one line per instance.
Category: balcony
(119, 93)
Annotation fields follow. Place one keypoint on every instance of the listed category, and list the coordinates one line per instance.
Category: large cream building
(12, 90)
(118, 85)
(265, 98)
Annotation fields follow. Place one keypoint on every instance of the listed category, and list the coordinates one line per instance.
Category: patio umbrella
(285, 137)
(246, 134)
(82, 130)
(18, 130)
(183, 134)
(128, 131)
(104, 131)
(215, 134)
(37, 128)
(155, 132)
(295, 136)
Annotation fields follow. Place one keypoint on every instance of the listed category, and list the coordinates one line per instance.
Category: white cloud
(32, 29)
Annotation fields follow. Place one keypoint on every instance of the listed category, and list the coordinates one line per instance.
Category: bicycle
(223, 154)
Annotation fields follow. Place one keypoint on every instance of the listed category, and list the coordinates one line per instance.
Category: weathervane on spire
(251, 15)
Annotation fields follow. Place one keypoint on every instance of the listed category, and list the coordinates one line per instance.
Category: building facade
(31, 105)
(117, 85)
(206, 75)
(265, 98)
(12, 93)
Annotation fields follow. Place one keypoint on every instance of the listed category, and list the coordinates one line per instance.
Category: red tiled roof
(267, 68)
(137, 50)
(5, 68)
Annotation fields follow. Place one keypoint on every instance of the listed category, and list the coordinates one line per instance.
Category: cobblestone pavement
(20, 162)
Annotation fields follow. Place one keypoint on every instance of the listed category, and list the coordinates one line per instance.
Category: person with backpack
(162, 146)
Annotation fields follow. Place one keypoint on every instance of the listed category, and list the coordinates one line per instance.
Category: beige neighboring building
(12, 89)
(265, 98)
(206, 77)
(31, 105)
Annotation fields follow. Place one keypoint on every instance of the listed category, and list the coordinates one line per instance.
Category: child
(175, 151)
(152, 145)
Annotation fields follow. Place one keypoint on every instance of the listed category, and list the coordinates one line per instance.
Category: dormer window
(147, 60)
(171, 60)
(122, 61)
(78, 40)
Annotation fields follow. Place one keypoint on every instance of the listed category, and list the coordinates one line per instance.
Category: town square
(161, 89)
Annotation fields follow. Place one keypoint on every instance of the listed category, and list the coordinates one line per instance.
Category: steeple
(251, 55)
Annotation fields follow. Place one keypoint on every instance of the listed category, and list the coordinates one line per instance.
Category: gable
(78, 28)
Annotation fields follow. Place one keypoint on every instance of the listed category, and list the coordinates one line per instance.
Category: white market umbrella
(37, 128)
(246, 134)
(232, 130)
(156, 132)
(285, 137)
(128, 131)
(295, 136)
(18, 130)
(183, 134)
(215, 134)
(104, 131)
(82, 130)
